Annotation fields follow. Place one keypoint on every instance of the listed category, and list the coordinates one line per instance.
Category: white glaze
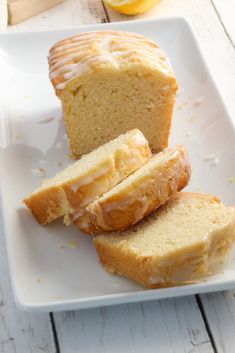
(83, 52)
(89, 178)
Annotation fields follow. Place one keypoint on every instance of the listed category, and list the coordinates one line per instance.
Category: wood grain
(225, 11)
(164, 326)
(219, 309)
(69, 13)
(20, 332)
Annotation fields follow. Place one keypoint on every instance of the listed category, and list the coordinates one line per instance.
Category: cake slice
(176, 244)
(110, 82)
(139, 194)
(88, 178)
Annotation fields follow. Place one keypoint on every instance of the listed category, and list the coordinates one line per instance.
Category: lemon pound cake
(88, 178)
(175, 245)
(110, 82)
(139, 194)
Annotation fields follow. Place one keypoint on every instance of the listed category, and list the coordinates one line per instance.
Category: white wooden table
(204, 323)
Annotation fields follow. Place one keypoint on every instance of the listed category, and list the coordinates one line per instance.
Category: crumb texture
(175, 244)
(139, 194)
(90, 177)
(110, 82)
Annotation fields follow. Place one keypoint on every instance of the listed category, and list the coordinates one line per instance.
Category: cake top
(79, 56)
(185, 221)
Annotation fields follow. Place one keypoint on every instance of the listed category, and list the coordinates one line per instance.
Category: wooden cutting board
(20, 10)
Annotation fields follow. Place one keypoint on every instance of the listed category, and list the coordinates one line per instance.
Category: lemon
(131, 7)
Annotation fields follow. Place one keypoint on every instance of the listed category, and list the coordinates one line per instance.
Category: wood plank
(226, 10)
(3, 16)
(20, 332)
(219, 309)
(69, 13)
(20, 10)
(218, 50)
(157, 326)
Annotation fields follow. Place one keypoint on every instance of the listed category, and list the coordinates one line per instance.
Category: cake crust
(147, 189)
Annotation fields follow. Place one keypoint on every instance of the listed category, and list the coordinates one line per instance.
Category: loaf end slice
(175, 245)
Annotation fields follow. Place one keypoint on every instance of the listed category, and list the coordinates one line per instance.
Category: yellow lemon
(131, 7)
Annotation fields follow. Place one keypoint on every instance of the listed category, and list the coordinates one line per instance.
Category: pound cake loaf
(175, 245)
(139, 194)
(110, 82)
(88, 178)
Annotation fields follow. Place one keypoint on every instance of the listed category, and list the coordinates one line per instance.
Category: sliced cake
(139, 194)
(88, 178)
(176, 244)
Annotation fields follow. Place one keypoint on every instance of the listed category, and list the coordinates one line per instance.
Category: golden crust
(82, 55)
(54, 201)
(128, 203)
(180, 266)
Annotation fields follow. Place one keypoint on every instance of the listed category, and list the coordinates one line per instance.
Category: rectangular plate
(54, 267)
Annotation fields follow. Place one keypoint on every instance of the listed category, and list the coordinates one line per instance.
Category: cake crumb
(192, 118)
(182, 105)
(46, 120)
(62, 247)
(213, 159)
(26, 97)
(56, 298)
(215, 162)
(60, 164)
(59, 145)
(180, 91)
(39, 280)
(209, 157)
(73, 244)
(231, 180)
(38, 172)
(188, 134)
(42, 162)
(198, 102)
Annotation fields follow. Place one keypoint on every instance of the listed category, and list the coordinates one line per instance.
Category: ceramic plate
(56, 267)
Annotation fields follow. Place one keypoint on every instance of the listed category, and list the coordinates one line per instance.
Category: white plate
(54, 267)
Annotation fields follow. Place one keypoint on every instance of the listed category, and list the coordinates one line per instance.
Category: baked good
(88, 178)
(110, 82)
(176, 244)
(139, 194)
